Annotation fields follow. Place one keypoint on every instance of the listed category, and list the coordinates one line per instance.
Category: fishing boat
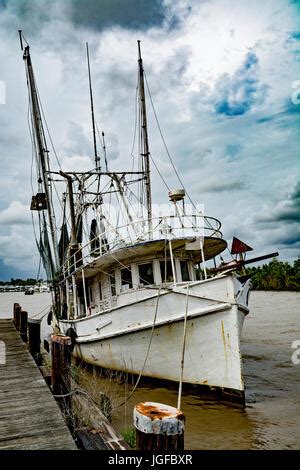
(138, 290)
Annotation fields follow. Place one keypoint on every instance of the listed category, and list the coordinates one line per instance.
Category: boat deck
(30, 418)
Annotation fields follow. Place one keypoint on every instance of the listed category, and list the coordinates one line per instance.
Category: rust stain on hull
(224, 338)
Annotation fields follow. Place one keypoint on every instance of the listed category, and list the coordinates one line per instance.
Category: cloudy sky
(223, 77)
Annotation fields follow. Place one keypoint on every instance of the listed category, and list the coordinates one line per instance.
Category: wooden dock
(30, 418)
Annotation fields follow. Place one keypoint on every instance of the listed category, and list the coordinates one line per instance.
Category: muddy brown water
(271, 419)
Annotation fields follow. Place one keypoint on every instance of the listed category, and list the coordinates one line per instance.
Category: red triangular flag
(239, 247)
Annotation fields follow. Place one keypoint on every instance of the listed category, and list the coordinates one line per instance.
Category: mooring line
(147, 354)
(183, 349)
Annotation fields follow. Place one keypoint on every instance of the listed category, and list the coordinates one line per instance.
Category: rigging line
(103, 144)
(39, 269)
(90, 185)
(161, 176)
(60, 203)
(135, 122)
(85, 225)
(133, 195)
(147, 354)
(57, 194)
(31, 183)
(164, 142)
(33, 144)
(97, 158)
(167, 150)
(124, 267)
(128, 269)
(232, 257)
(32, 151)
(92, 182)
(51, 213)
(46, 308)
(37, 244)
(140, 160)
(46, 124)
(183, 349)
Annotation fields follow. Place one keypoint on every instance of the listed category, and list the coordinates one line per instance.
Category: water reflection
(209, 424)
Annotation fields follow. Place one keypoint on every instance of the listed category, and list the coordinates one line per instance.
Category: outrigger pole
(241, 263)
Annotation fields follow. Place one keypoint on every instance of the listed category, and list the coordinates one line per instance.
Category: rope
(39, 268)
(146, 358)
(183, 350)
(72, 392)
(135, 126)
(33, 316)
(164, 143)
(168, 153)
(46, 124)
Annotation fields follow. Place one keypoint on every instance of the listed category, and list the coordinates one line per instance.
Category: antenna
(97, 159)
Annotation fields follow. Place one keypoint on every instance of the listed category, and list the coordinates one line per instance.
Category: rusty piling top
(61, 339)
(156, 418)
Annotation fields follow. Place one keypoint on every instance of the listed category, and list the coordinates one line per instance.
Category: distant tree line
(276, 275)
(21, 282)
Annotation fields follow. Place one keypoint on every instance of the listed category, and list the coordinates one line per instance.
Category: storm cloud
(220, 75)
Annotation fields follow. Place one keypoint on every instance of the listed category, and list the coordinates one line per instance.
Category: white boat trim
(147, 326)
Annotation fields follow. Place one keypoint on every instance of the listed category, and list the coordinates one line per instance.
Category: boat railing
(142, 231)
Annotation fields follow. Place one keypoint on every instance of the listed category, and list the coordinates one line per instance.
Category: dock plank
(30, 418)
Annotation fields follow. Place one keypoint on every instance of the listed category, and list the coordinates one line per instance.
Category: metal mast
(145, 144)
(97, 158)
(39, 136)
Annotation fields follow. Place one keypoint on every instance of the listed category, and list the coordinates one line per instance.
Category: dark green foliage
(129, 435)
(276, 275)
(20, 282)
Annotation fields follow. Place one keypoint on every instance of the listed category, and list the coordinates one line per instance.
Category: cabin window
(166, 271)
(146, 274)
(90, 294)
(185, 275)
(113, 285)
(126, 279)
(100, 291)
(80, 297)
(198, 272)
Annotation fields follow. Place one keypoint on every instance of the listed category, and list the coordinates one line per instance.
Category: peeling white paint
(170, 421)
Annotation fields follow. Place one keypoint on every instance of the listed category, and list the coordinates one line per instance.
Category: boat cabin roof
(184, 248)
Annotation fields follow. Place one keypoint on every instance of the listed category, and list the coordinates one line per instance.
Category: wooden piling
(61, 373)
(158, 427)
(14, 312)
(17, 311)
(34, 339)
(23, 325)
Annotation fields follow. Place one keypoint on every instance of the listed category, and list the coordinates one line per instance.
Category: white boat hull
(119, 339)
